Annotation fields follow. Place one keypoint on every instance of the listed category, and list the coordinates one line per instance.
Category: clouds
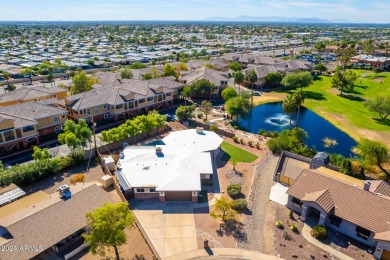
(354, 10)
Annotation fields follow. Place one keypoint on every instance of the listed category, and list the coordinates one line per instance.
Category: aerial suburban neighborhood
(168, 131)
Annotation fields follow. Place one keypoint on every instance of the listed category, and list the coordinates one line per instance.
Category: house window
(141, 101)
(131, 105)
(18, 133)
(96, 109)
(119, 106)
(106, 116)
(56, 119)
(57, 129)
(88, 111)
(334, 220)
(28, 128)
(105, 107)
(152, 190)
(140, 190)
(169, 93)
(297, 203)
(362, 232)
(9, 135)
(150, 99)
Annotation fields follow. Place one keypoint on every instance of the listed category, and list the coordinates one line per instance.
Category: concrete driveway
(170, 226)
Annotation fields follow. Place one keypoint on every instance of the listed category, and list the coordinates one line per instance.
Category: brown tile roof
(322, 198)
(353, 204)
(49, 226)
(213, 76)
(380, 187)
(32, 110)
(28, 93)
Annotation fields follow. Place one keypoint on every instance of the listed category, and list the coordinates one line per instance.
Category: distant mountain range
(244, 18)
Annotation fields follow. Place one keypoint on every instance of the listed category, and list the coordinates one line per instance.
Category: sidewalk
(222, 253)
(306, 234)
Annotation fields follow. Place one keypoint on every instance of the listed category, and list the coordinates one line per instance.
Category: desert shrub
(240, 204)
(77, 178)
(200, 115)
(286, 236)
(214, 128)
(293, 227)
(242, 141)
(234, 190)
(204, 120)
(279, 224)
(66, 162)
(319, 232)
(235, 139)
(291, 214)
(250, 143)
(258, 145)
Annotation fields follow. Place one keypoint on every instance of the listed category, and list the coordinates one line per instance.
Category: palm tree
(252, 77)
(238, 79)
(299, 99)
(28, 72)
(288, 106)
(51, 75)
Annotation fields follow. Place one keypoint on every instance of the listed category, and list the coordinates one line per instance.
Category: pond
(270, 117)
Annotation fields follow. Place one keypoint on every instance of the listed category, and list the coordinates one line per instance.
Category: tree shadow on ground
(318, 78)
(363, 87)
(233, 228)
(314, 95)
(139, 257)
(352, 97)
(382, 121)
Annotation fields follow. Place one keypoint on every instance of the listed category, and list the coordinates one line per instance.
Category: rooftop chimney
(159, 150)
(367, 185)
(199, 130)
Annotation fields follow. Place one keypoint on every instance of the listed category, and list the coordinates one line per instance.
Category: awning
(122, 181)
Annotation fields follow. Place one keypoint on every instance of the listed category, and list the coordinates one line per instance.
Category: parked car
(256, 93)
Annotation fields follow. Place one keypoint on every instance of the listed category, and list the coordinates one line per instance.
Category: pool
(154, 142)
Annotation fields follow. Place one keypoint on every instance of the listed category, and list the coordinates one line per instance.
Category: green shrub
(293, 228)
(279, 224)
(319, 232)
(346, 167)
(77, 156)
(235, 139)
(200, 115)
(234, 190)
(240, 204)
(66, 162)
(214, 128)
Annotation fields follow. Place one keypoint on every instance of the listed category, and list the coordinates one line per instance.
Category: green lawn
(349, 115)
(234, 153)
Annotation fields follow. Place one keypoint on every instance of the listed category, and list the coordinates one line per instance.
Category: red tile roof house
(358, 209)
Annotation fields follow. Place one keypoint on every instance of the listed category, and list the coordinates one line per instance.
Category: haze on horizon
(373, 11)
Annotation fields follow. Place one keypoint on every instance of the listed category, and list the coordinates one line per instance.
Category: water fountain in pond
(280, 120)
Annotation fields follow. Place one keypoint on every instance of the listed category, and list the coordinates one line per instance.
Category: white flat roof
(171, 171)
(189, 141)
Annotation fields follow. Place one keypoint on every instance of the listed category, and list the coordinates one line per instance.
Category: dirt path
(258, 201)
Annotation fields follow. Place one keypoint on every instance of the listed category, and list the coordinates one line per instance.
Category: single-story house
(170, 172)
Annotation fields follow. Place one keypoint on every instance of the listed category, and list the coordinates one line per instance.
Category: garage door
(178, 196)
(385, 255)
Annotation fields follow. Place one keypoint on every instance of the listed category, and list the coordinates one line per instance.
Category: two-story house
(23, 95)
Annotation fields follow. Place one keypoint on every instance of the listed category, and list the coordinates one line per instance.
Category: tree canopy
(138, 125)
(235, 66)
(106, 227)
(202, 88)
(343, 80)
(223, 209)
(321, 67)
(82, 82)
(381, 105)
(320, 46)
(237, 106)
(273, 78)
(75, 135)
(206, 107)
(169, 70)
(228, 93)
(297, 80)
(375, 153)
(137, 65)
(184, 113)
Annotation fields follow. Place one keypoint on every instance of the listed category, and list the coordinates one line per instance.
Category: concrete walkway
(222, 253)
(306, 234)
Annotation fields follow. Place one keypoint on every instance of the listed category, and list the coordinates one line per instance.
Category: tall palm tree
(288, 106)
(252, 77)
(299, 99)
(238, 79)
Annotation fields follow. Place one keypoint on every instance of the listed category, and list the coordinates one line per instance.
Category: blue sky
(52, 10)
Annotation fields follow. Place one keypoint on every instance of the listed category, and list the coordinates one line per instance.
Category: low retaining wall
(219, 131)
